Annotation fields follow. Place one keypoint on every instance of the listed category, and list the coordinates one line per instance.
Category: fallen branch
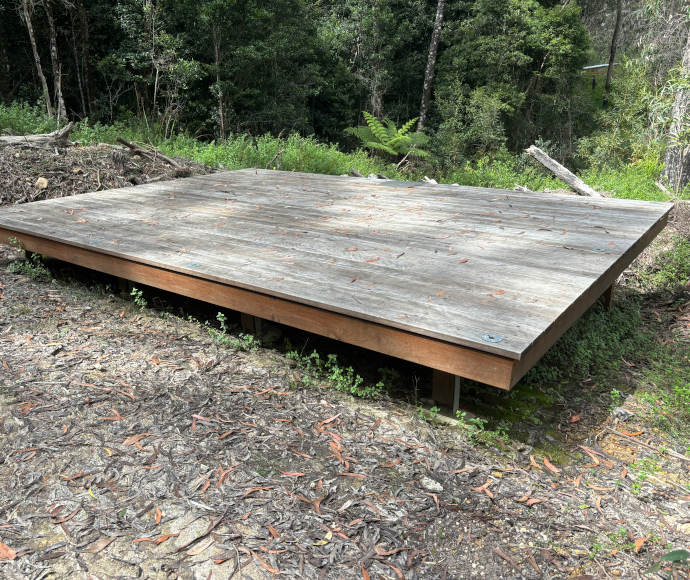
(275, 157)
(58, 137)
(579, 186)
(151, 153)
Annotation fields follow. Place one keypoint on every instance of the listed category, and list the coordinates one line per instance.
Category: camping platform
(473, 282)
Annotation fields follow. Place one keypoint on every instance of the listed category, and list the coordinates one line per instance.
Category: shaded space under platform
(471, 281)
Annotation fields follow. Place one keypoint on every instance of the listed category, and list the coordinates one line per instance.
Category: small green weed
(244, 342)
(476, 431)
(428, 415)
(138, 298)
(31, 266)
(317, 371)
(644, 468)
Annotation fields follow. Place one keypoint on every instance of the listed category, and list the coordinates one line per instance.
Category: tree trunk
(59, 137)
(431, 65)
(677, 158)
(27, 6)
(77, 64)
(614, 46)
(84, 27)
(217, 42)
(60, 110)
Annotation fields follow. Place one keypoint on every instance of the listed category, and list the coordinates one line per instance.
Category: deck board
(453, 264)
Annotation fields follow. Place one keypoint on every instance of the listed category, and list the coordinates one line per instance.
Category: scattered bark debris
(32, 174)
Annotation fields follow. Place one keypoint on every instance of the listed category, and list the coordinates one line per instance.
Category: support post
(445, 390)
(250, 323)
(607, 297)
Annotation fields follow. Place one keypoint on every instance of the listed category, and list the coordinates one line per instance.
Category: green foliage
(595, 344)
(316, 371)
(672, 268)
(138, 298)
(502, 170)
(476, 431)
(672, 565)
(24, 119)
(31, 266)
(384, 137)
(633, 122)
(633, 180)
(244, 342)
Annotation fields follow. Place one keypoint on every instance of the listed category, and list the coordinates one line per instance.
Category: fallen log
(579, 186)
(151, 153)
(58, 137)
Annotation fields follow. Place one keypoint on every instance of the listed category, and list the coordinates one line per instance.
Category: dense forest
(483, 78)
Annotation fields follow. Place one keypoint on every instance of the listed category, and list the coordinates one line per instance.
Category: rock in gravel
(431, 484)
(622, 414)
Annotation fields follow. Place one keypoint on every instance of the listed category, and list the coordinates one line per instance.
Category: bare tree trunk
(84, 27)
(614, 46)
(56, 64)
(431, 65)
(677, 158)
(217, 40)
(77, 64)
(27, 6)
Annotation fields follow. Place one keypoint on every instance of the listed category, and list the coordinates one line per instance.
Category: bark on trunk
(431, 65)
(579, 186)
(60, 110)
(217, 41)
(614, 46)
(677, 158)
(59, 137)
(84, 26)
(27, 6)
(77, 64)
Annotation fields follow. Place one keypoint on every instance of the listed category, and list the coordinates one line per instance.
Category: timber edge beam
(491, 369)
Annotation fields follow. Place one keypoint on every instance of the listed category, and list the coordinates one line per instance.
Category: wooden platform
(474, 282)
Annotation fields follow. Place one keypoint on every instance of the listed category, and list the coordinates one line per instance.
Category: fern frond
(407, 126)
(380, 147)
(362, 133)
(376, 127)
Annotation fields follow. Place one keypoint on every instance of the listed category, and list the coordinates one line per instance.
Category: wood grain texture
(496, 271)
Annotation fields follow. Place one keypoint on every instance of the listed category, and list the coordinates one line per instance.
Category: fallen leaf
(551, 467)
(534, 463)
(575, 418)
(159, 515)
(7, 553)
(462, 261)
(365, 574)
(263, 564)
(532, 501)
(639, 542)
(496, 293)
(440, 293)
(372, 260)
(293, 473)
(100, 544)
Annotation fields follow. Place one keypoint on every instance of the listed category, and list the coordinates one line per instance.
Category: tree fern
(385, 137)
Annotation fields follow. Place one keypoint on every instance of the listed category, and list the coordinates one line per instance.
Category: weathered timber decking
(471, 281)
